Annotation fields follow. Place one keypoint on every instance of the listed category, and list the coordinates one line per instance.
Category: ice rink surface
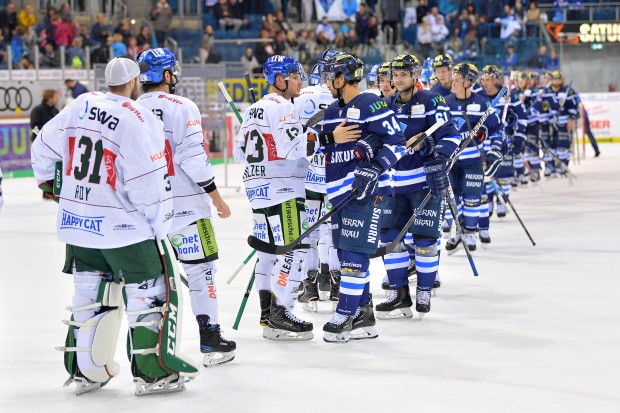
(537, 331)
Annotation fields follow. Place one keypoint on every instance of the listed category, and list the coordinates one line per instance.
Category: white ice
(537, 331)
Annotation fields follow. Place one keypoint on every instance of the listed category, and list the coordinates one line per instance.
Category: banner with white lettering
(336, 10)
(603, 109)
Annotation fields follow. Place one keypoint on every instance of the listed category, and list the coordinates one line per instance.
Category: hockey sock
(471, 213)
(287, 277)
(352, 286)
(365, 297)
(262, 274)
(396, 262)
(483, 222)
(427, 262)
(202, 289)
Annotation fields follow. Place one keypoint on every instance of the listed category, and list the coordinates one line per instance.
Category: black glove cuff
(326, 138)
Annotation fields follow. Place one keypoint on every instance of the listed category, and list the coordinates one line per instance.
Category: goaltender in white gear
(99, 159)
(193, 187)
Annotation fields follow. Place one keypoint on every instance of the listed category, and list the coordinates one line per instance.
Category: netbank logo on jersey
(259, 192)
(186, 245)
(81, 223)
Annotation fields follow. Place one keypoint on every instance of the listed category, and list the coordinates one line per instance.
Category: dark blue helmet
(281, 65)
(326, 56)
(154, 62)
(315, 76)
(371, 77)
(349, 64)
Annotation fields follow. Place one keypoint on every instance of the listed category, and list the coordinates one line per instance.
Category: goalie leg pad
(93, 331)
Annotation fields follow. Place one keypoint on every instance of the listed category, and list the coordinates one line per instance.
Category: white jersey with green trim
(115, 189)
(273, 146)
(311, 100)
(190, 164)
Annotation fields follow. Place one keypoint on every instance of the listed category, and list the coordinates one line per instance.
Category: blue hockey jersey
(373, 116)
(440, 90)
(416, 115)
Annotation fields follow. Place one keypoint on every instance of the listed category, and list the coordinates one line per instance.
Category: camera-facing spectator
(161, 15)
(75, 54)
(250, 64)
(144, 38)
(264, 49)
(49, 57)
(421, 10)
(324, 32)
(4, 63)
(118, 47)
(282, 23)
(8, 20)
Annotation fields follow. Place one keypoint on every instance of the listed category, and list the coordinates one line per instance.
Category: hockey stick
(238, 270)
(547, 149)
(316, 118)
(248, 82)
(244, 301)
(268, 248)
(459, 230)
(505, 111)
(230, 101)
(500, 194)
(386, 249)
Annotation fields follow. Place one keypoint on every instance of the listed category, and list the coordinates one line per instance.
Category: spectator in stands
(448, 8)
(101, 30)
(519, 11)
(75, 87)
(553, 61)
(124, 29)
(86, 39)
(65, 12)
(270, 24)
(391, 16)
(469, 48)
(453, 48)
(558, 10)
(463, 24)
(75, 54)
(440, 32)
(280, 44)
(144, 38)
(161, 15)
(26, 17)
(8, 20)
(19, 48)
(324, 32)
(264, 49)
(372, 29)
(473, 14)
(489, 11)
(250, 64)
(133, 49)
(425, 37)
(509, 62)
(4, 63)
(49, 58)
(361, 23)
(64, 34)
(118, 47)
(206, 50)
(421, 10)
(282, 23)
(351, 40)
(224, 15)
(436, 17)
(539, 60)
(533, 17)
(43, 113)
(511, 28)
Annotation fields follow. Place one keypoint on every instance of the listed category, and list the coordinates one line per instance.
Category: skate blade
(277, 334)
(310, 306)
(170, 384)
(484, 245)
(413, 279)
(337, 338)
(396, 314)
(364, 333)
(323, 295)
(83, 385)
(214, 358)
(434, 292)
(421, 316)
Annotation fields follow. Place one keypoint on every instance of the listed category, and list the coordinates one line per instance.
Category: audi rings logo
(12, 98)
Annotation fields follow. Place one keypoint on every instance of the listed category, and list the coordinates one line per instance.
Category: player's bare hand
(570, 125)
(344, 133)
(413, 139)
(223, 211)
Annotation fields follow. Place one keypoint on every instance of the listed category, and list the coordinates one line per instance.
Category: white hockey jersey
(190, 164)
(311, 100)
(115, 187)
(374, 91)
(273, 146)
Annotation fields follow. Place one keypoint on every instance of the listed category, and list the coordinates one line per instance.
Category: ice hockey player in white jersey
(193, 188)
(102, 157)
(322, 265)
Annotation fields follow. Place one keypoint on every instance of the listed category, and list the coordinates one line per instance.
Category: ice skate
(283, 325)
(446, 228)
(453, 244)
(423, 303)
(523, 180)
(385, 286)
(217, 350)
(334, 285)
(82, 384)
(436, 284)
(363, 323)
(169, 384)
(470, 239)
(397, 306)
(485, 238)
(513, 182)
(264, 297)
(338, 329)
(310, 295)
(501, 211)
(323, 284)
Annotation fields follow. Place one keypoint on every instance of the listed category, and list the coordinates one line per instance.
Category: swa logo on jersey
(259, 192)
(92, 225)
(102, 117)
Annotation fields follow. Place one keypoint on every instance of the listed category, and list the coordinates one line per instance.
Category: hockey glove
(494, 161)
(436, 176)
(428, 146)
(518, 144)
(366, 149)
(511, 122)
(366, 179)
(48, 190)
(481, 134)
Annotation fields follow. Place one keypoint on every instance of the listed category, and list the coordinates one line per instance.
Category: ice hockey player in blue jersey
(414, 176)
(492, 80)
(467, 174)
(385, 83)
(357, 170)
(442, 66)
